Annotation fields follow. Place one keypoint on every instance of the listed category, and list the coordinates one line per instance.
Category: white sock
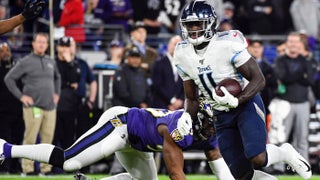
(121, 176)
(220, 169)
(275, 154)
(259, 175)
(37, 152)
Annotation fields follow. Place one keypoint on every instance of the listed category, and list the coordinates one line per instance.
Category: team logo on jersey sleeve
(116, 122)
(176, 136)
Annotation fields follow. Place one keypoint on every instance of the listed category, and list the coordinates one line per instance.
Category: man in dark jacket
(167, 86)
(130, 86)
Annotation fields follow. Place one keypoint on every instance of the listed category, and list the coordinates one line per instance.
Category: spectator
(130, 86)
(261, 16)
(169, 14)
(72, 19)
(67, 109)
(226, 25)
(296, 74)
(138, 36)
(116, 51)
(88, 98)
(228, 16)
(12, 126)
(309, 22)
(17, 42)
(147, 11)
(39, 96)
(167, 86)
(281, 48)
(115, 12)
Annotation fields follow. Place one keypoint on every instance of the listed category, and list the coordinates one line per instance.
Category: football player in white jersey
(204, 59)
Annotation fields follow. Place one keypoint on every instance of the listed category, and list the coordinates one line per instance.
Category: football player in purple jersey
(132, 134)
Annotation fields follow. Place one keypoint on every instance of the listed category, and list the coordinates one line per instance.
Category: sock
(259, 175)
(36, 152)
(220, 169)
(274, 155)
(7, 150)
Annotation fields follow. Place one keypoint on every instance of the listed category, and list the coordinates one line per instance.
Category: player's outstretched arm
(7, 25)
(31, 10)
(172, 155)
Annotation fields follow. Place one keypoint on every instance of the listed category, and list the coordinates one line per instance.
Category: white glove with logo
(184, 125)
(224, 102)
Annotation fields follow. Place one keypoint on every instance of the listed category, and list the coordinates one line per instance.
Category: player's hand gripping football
(184, 125)
(33, 8)
(224, 103)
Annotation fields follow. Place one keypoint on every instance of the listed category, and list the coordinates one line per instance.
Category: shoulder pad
(232, 35)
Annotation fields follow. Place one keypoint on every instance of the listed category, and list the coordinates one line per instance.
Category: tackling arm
(172, 155)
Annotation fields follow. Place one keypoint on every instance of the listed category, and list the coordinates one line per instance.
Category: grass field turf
(161, 177)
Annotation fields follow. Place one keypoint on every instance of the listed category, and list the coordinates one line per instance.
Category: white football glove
(226, 101)
(184, 125)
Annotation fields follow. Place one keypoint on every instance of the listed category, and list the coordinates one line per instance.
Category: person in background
(130, 86)
(72, 19)
(295, 74)
(261, 16)
(12, 126)
(114, 12)
(167, 86)
(310, 22)
(281, 48)
(138, 36)
(85, 119)
(39, 96)
(67, 109)
(116, 52)
(88, 98)
(31, 10)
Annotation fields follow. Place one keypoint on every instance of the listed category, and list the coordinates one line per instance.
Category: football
(231, 85)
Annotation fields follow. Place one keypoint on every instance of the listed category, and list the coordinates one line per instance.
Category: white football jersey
(225, 52)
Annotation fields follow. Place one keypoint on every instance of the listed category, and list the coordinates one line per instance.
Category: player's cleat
(80, 176)
(2, 157)
(296, 161)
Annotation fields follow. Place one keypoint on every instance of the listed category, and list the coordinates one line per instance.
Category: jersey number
(209, 84)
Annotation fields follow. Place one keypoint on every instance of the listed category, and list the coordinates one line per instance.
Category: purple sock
(7, 150)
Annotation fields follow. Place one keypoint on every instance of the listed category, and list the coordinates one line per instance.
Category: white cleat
(296, 161)
(2, 157)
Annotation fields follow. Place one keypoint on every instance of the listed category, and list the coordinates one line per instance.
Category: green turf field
(161, 177)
